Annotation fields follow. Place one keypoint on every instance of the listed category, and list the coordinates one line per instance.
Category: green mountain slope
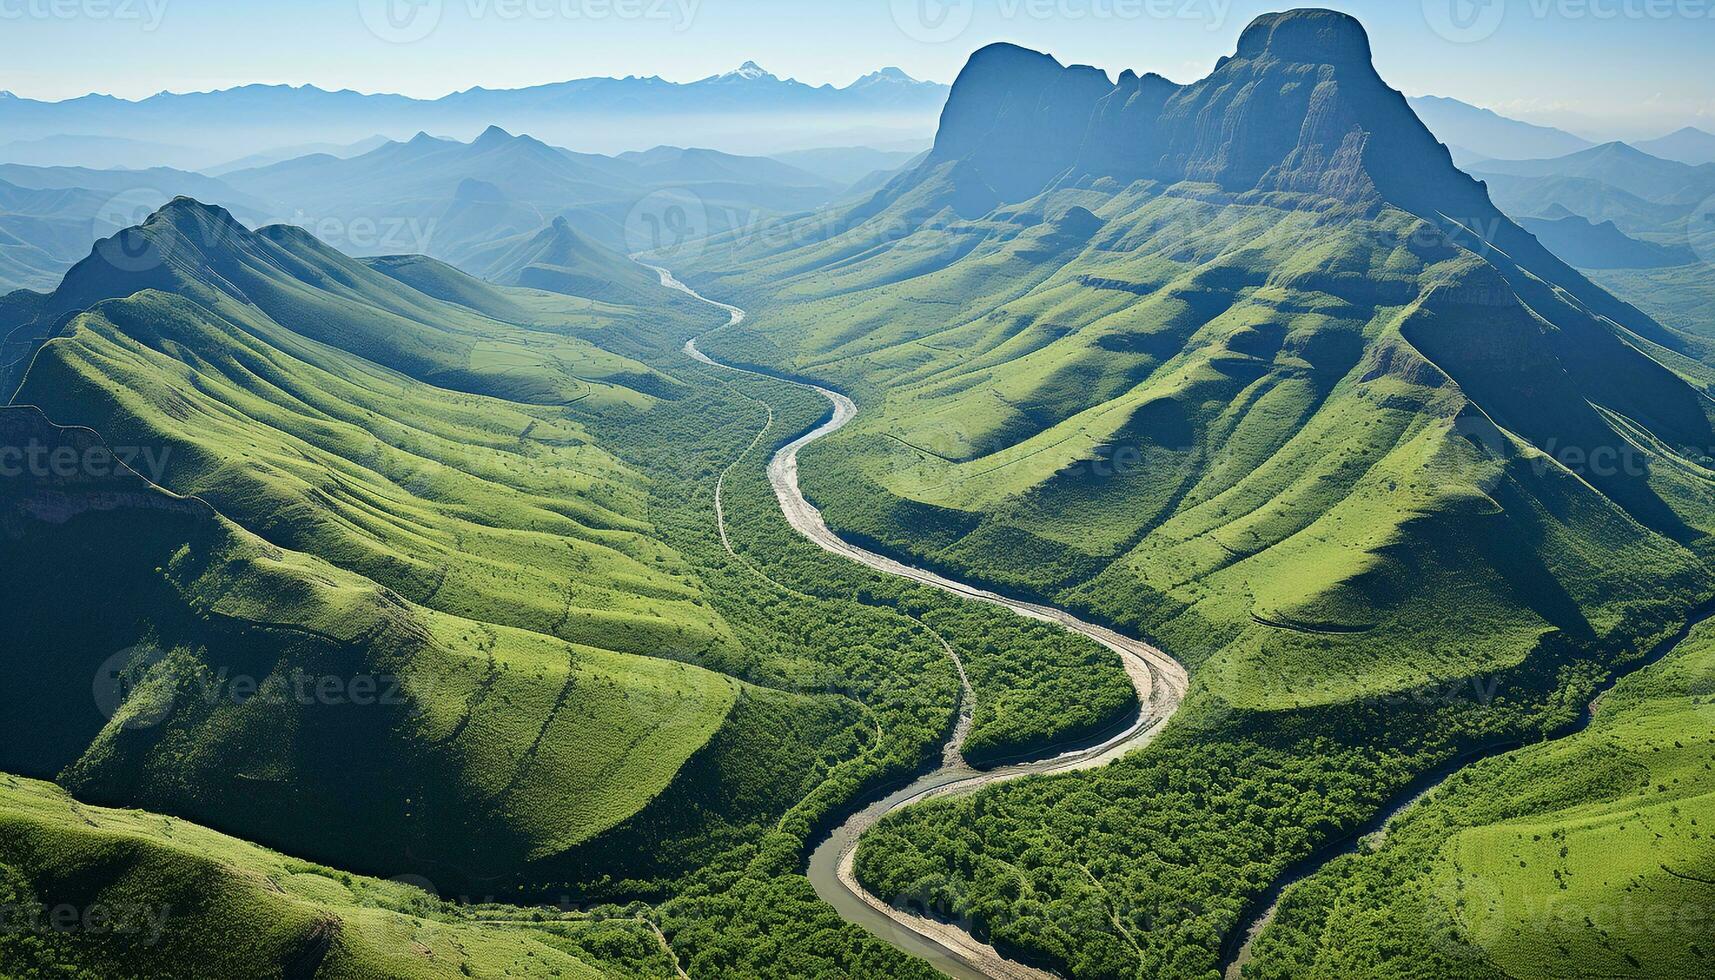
(591, 697)
(291, 278)
(1239, 406)
(1588, 856)
(218, 646)
(447, 505)
(152, 894)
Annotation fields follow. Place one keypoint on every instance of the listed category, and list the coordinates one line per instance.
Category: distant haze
(1602, 70)
(746, 109)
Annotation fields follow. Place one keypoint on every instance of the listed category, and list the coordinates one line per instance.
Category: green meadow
(1583, 857)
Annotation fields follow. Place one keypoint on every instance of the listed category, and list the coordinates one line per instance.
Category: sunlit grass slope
(1590, 856)
(501, 512)
(480, 519)
(444, 743)
(154, 894)
(285, 275)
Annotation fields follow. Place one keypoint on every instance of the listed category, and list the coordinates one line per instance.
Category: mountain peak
(749, 71)
(1306, 36)
(206, 225)
(5, 95)
(1017, 116)
(182, 208)
(1614, 148)
(890, 74)
(491, 136)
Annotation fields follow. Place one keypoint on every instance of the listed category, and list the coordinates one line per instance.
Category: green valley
(1281, 402)
(437, 561)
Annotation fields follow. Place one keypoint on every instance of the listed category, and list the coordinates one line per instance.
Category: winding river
(1159, 679)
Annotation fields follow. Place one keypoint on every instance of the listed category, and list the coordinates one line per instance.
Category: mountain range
(370, 479)
(1479, 133)
(747, 110)
(1633, 220)
(439, 197)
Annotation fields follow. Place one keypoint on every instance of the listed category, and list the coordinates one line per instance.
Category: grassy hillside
(91, 891)
(466, 504)
(1682, 297)
(1249, 449)
(469, 747)
(282, 273)
(1588, 856)
(466, 521)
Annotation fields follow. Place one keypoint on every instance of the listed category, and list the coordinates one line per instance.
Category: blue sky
(1602, 67)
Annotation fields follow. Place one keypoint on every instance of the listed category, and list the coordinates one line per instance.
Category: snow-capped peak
(749, 71)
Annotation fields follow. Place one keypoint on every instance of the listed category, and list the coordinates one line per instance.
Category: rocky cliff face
(1297, 115)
